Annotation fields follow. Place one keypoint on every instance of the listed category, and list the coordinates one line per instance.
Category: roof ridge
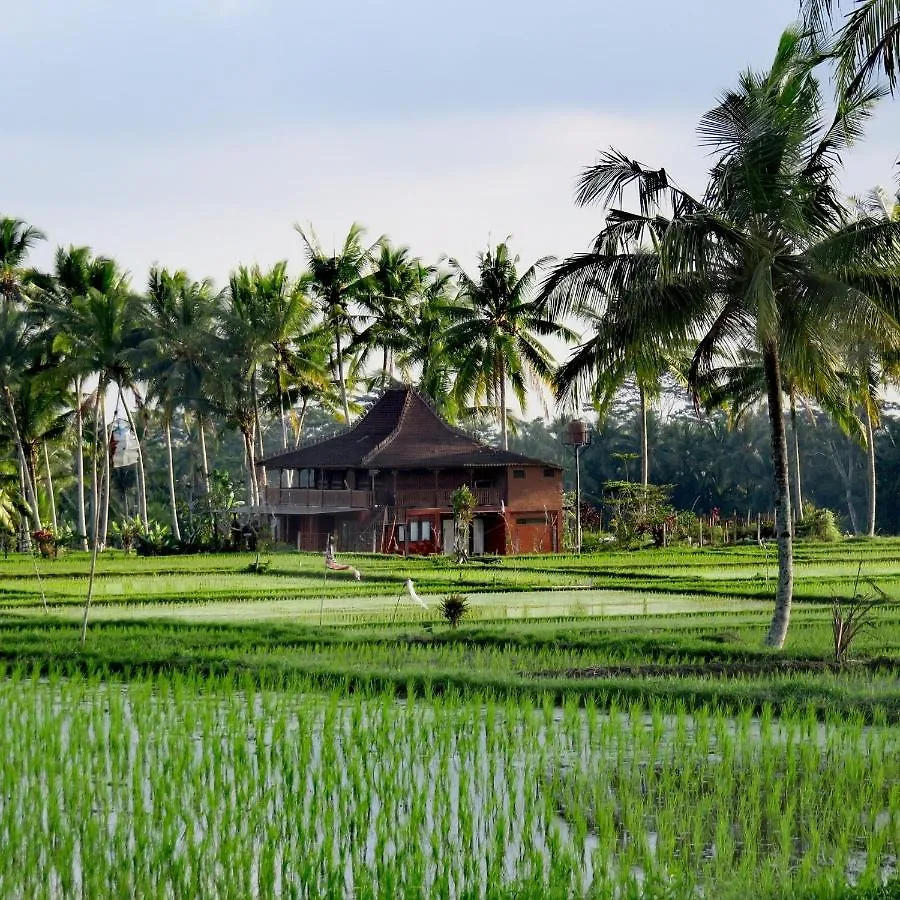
(386, 441)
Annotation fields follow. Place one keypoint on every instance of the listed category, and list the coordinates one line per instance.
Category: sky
(194, 133)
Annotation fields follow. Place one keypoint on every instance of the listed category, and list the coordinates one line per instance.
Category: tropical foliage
(769, 289)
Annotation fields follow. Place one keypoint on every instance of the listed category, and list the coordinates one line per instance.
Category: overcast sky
(194, 133)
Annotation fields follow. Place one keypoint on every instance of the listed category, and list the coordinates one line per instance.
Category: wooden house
(385, 485)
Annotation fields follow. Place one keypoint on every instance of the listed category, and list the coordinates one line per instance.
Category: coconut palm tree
(17, 238)
(20, 337)
(175, 358)
(425, 342)
(496, 322)
(386, 303)
(335, 284)
(608, 359)
(43, 416)
(99, 331)
(768, 249)
(74, 273)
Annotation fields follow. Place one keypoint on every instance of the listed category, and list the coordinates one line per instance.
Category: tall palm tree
(769, 248)
(386, 304)
(608, 359)
(175, 358)
(75, 272)
(425, 342)
(100, 331)
(19, 338)
(873, 362)
(496, 323)
(335, 284)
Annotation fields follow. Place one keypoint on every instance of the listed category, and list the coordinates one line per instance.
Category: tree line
(769, 287)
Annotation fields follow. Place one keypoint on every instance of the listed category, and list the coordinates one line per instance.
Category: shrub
(454, 607)
(818, 524)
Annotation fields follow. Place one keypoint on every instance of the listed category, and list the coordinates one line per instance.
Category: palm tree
(872, 361)
(75, 272)
(425, 342)
(768, 250)
(16, 239)
(19, 338)
(43, 414)
(867, 42)
(608, 359)
(386, 304)
(335, 284)
(494, 333)
(100, 331)
(175, 356)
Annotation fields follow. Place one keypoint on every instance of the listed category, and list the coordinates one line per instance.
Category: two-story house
(385, 485)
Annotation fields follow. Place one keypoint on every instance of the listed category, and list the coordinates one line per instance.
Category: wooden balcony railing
(440, 498)
(316, 498)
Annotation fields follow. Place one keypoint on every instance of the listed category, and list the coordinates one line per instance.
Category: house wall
(535, 491)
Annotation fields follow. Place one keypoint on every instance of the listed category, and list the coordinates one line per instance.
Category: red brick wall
(536, 491)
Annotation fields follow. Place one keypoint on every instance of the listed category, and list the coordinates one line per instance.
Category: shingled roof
(401, 431)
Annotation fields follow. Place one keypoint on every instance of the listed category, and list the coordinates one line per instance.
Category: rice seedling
(188, 785)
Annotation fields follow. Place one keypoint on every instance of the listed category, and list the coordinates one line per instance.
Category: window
(518, 473)
(307, 478)
(549, 473)
(532, 521)
(401, 533)
(420, 530)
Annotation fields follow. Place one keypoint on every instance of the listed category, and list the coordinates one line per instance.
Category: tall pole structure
(577, 435)
(578, 499)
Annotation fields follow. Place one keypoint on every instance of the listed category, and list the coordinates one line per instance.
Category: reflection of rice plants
(176, 785)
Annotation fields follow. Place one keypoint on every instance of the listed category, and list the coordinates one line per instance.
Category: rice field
(212, 787)
(605, 726)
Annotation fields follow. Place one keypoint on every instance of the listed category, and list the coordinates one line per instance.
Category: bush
(818, 524)
(454, 607)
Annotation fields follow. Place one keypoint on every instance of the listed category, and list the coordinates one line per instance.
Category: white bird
(410, 589)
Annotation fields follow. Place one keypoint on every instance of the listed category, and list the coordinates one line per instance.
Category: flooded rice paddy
(190, 787)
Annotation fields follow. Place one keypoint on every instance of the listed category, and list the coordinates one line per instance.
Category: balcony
(431, 498)
(306, 501)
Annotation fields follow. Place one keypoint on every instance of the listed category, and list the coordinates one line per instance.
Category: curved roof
(400, 431)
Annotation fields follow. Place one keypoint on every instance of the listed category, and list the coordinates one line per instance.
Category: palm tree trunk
(784, 539)
(95, 459)
(795, 462)
(258, 431)
(142, 483)
(503, 423)
(173, 506)
(250, 466)
(107, 478)
(95, 512)
(384, 367)
(49, 476)
(285, 478)
(645, 455)
(204, 462)
(79, 466)
(340, 374)
(870, 471)
(30, 493)
(300, 419)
